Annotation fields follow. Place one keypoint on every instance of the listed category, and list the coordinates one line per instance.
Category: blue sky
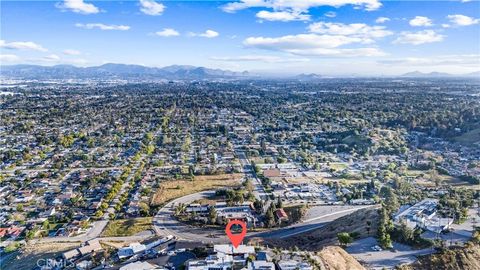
(331, 37)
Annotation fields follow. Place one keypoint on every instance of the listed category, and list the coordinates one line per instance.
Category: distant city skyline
(364, 37)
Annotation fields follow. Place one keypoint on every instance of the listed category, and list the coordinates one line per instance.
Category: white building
(293, 265)
(424, 215)
(225, 257)
(132, 249)
(140, 266)
(261, 265)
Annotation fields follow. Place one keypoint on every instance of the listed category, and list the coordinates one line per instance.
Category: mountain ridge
(172, 72)
(118, 71)
(435, 74)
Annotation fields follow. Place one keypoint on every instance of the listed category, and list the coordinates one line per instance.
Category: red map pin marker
(237, 238)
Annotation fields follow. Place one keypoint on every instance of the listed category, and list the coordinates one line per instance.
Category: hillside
(465, 258)
(317, 239)
(335, 258)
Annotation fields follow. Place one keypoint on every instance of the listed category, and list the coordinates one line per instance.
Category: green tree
(279, 203)
(344, 238)
(212, 215)
(144, 209)
(270, 217)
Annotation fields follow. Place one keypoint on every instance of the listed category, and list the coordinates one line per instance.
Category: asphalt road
(385, 259)
(317, 216)
(165, 224)
(258, 189)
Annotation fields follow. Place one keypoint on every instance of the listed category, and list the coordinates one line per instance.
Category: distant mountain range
(308, 77)
(118, 71)
(174, 72)
(418, 74)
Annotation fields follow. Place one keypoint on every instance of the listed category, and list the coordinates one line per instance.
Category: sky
(328, 37)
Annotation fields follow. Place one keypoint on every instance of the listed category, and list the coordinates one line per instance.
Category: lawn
(127, 227)
(173, 189)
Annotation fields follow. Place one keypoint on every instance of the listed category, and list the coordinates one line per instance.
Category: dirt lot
(422, 179)
(177, 188)
(33, 253)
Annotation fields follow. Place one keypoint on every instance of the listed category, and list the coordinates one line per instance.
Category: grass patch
(169, 190)
(338, 166)
(12, 247)
(470, 137)
(127, 227)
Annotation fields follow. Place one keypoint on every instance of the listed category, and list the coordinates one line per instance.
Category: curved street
(317, 216)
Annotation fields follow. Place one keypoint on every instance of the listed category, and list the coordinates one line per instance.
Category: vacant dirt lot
(32, 253)
(169, 190)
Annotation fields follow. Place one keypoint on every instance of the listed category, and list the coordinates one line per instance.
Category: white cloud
(420, 37)
(382, 20)
(78, 6)
(465, 60)
(360, 30)
(151, 7)
(295, 10)
(462, 20)
(283, 16)
(55, 59)
(301, 41)
(330, 14)
(260, 58)
(312, 44)
(421, 21)
(71, 52)
(167, 32)
(51, 58)
(298, 5)
(22, 45)
(325, 39)
(207, 34)
(102, 26)
(9, 58)
(339, 52)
